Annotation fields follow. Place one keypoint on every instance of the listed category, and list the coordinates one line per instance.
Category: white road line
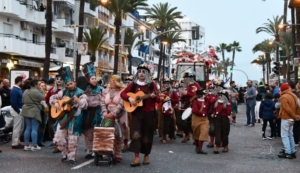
(83, 164)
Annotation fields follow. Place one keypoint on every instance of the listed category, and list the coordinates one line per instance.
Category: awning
(54, 67)
(30, 63)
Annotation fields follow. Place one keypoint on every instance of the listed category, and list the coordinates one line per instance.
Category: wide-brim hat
(143, 66)
(200, 92)
(65, 74)
(225, 93)
(166, 81)
(89, 70)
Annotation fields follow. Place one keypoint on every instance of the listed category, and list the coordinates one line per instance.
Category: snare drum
(186, 115)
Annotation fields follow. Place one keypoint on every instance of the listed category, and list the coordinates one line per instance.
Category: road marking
(83, 164)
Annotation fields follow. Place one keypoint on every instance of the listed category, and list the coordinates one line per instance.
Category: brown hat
(284, 86)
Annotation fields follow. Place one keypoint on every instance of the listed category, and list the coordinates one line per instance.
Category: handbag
(42, 113)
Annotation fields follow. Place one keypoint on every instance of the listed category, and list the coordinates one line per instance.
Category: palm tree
(261, 61)
(234, 47)
(217, 70)
(227, 63)
(118, 8)
(222, 48)
(129, 40)
(160, 14)
(267, 49)
(286, 44)
(95, 39)
(272, 28)
(48, 39)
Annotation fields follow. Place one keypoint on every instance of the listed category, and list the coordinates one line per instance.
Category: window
(7, 28)
(147, 34)
(34, 38)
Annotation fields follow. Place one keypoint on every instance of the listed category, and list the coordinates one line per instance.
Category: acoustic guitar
(64, 107)
(139, 97)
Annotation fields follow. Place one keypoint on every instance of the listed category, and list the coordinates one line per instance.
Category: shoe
(270, 137)
(72, 162)
(27, 148)
(258, 121)
(225, 150)
(185, 139)
(217, 150)
(294, 155)
(52, 145)
(200, 151)
(136, 162)
(64, 159)
(179, 135)
(296, 145)
(250, 125)
(125, 148)
(56, 150)
(171, 140)
(163, 141)
(146, 160)
(210, 145)
(35, 148)
(19, 146)
(264, 137)
(89, 156)
(285, 156)
(41, 145)
(247, 124)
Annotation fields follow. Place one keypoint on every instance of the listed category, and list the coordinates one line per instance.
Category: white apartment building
(195, 46)
(22, 36)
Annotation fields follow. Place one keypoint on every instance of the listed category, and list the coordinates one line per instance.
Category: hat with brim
(225, 93)
(200, 92)
(143, 67)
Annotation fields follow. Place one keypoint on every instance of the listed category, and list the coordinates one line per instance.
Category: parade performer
(58, 86)
(112, 107)
(127, 81)
(174, 100)
(69, 127)
(188, 94)
(222, 112)
(210, 100)
(92, 116)
(143, 117)
(200, 121)
(233, 96)
(168, 121)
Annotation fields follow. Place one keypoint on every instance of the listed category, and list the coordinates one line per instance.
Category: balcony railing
(21, 38)
(103, 16)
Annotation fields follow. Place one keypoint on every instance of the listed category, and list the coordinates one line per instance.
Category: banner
(81, 48)
(16, 73)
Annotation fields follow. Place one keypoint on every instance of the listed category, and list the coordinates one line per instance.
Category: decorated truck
(200, 64)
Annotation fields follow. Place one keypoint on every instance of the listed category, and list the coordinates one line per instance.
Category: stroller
(6, 125)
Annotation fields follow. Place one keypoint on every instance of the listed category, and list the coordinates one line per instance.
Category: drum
(186, 115)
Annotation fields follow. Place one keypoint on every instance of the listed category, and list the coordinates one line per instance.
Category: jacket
(266, 109)
(32, 107)
(289, 108)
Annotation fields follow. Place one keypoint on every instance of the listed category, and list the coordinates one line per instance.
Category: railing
(21, 38)
(103, 16)
(23, 2)
(68, 20)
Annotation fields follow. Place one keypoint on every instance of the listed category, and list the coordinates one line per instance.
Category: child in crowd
(168, 128)
(277, 120)
(266, 111)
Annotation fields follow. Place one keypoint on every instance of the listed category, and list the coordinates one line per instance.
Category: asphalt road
(247, 153)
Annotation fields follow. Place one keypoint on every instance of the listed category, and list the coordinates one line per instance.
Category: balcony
(35, 16)
(90, 10)
(65, 54)
(61, 26)
(104, 18)
(35, 49)
(53, 54)
(65, 2)
(13, 8)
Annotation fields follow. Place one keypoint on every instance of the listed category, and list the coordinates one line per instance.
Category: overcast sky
(229, 20)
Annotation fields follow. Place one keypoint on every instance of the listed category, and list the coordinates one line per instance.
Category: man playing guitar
(142, 123)
(66, 138)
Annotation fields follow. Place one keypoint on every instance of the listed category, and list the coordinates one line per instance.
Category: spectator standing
(250, 104)
(289, 112)
(275, 88)
(296, 128)
(277, 122)
(5, 93)
(15, 110)
(266, 110)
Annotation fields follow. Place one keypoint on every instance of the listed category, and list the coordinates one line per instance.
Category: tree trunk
(129, 56)
(293, 44)
(233, 56)
(298, 41)
(223, 55)
(164, 61)
(285, 12)
(48, 33)
(80, 36)
(288, 67)
(118, 23)
(93, 58)
(268, 72)
(160, 59)
(264, 72)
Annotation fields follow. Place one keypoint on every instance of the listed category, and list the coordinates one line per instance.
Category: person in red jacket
(188, 94)
(222, 112)
(200, 121)
(142, 122)
(210, 100)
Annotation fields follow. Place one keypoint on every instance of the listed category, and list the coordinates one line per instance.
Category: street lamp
(104, 1)
(280, 26)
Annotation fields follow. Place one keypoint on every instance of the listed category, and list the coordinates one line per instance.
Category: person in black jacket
(266, 111)
(5, 93)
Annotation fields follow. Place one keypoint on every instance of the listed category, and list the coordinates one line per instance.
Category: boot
(185, 139)
(233, 119)
(163, 141)
(146, 160)
(225, 150)
(55, 150)
(200, 151)
(217, 150)
(136, 162)
(210, 145)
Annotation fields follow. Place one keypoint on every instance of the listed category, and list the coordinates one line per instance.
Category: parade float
(199, 63)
